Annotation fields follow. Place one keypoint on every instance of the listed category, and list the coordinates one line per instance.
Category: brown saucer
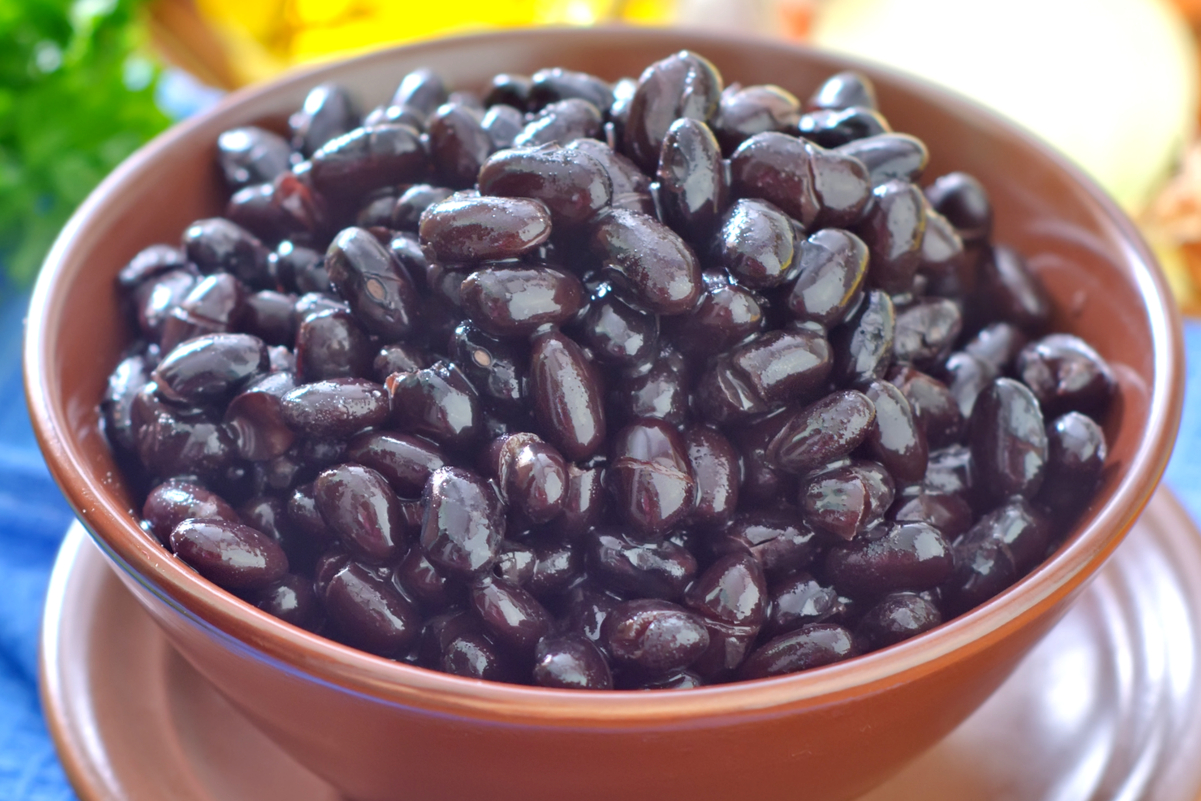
(1108, 706)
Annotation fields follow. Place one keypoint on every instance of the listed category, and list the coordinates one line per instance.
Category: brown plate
(1108, 706)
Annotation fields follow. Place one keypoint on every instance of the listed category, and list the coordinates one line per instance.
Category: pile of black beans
(646, 384)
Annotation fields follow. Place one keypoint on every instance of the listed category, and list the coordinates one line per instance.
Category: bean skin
(172, 502)
(801, 599)
(617, 332)
(746, 111)
(459, 144)
(948, 513)
(369, 613)
(361, 508)
(756, 244)
(438, 402)
(713, 463)
(379, 292)
(170, 444)
(1008, 440)
(966, 376)
(404, 460)
(335, 408)
(555, 84)
(810, 646)
(654, 635)
(209, 369)
(1076, 453)
(421, 90)
(660, 394)
(843, 90)
(631, 187)
(584, 502)
(328, 112)
(898, 617)
(465, 228)
(847, 500)
(775, 167)
(256, 418)
(567, 395)
(892, 229)
(331, 344)
(455, 643)
(949, 471)
(509, 613)
(890, 156)
(725, 315)
(831, 127)
(231, 555)
(648, 260)
(365, 159)
(573, 184)
(983, 568)
(926, 331)
(508, 88)
(561, 123)
(896, 440)
(692, 178)
(517, 302)
(651, 570)
(129, 376)
(252, 155)
(681, 85)
(571, 662)
(650, 478)
(292, 600)
(910, 556)
(779, 539)
(823, 431)
(784, 365)
(1066, 375)
(416, 577)
(532, 477)
(934, 406)
(833, 265)
(156, 301)
(496, 368)
(733, 590)
(464, 524)
(862, 345)
(997, 344)
(1023, 529)
(842, 186)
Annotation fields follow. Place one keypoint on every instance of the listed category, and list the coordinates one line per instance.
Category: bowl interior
(1102, 277)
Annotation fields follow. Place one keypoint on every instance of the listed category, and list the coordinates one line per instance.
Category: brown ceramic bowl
(382, 730)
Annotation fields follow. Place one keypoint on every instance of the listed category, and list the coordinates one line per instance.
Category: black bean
(654, 635)
(567, 394)
(1008, 440)
(257, 421)
(331, 344)
(862, 344)
(845, 501)
(897, 617)
(337, 407)
(378, 291)
(252, 155)
(1009, 291)
(896, 440)
(231, 555)
(218, 245)
(571, 662)
(949, 513)
(1023, 529)
(573, 185)
(810, 646)
(366, 159)
(1066, 375)
(964, 202)
(509, 613)
(361, 508)
(779, 539)
(756, 244)
(834, 127)
(209, 369)
(438, 402)
(561, 123)
(459, 144)
(369, 613)
(328, 112)
(1076, 452)
(775, 167)
(889, 558)
(844, 90)
(516, 302)
(692, 178)
(681, 85)
(496, 368)
(801, 599)
(650, 477)
(464, 523)
(725, 315)
(713, 463)
(292, 600)
(892, 228)
(466, 228)
(823, 431)
(617, 332)
(173, 502)
(645, 258)
(746, 111)
(889, 156)
(926, 331)
(649, 570)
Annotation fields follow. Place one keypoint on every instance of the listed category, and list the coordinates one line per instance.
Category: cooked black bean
(847, 500)
(1009, 291)
(503, 123)
(842, 187)
(681, 85)
(949, 513)
(966, 377)
(823, 431)
(418, 578)
(650, 477)
(661, 393)
(898, 617)
(496, 368)
(926, 331)
(173, 502)
(209, 369)
(552, 85)
(328, 112)
(725, 315)
(229, 554)
(654, 635)
(889, 156)
(964, 202)
(516, 302)
(129, 376)
(513, 90)
(292, 600)
(896, 440)
(257, 421)
(585, 500)
(645, 258)
(810, 646)
(834, 127)
(775, 167)
(998, 344)
(646, 570)
(934, 406)
(218, 245)
(1076, 451)
(459, 144)
(573, 185)
(369, 613)
(892, 228)
(404, 460)
(617, 332)
(252, 155)
(379, 293)
(156, 299)
(532, 476)
(571, 662)
(173, 444)
(1008, 440)
(361, 508)
(464, 523)
(631, 187)
(509, 613)
(438, 402)
(1023, 529)
(1066, 375)
(366, 159)
(331, 344)
(337, 407)
(844, 90)
(779, 539)
(862, 344)
(756, 244)
(567, 395)
(692, 178)
(889, 558)
(713, 463)
(983, 568)
(801, 599)
(949, 471)
(561, 123)
(745, 111)
(465, 228)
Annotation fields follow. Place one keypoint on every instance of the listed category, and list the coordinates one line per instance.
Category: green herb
(76, 98)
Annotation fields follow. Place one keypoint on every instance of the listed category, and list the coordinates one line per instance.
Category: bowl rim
(326, 661)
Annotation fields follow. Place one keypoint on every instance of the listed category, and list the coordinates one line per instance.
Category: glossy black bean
(681, 85)
(438, 402)
(172, 502)
(775, 167)
(256, 418)
(713, 464)
(210, 368)
(810, 646)
(292, 600)
(1008, 440)
(844, 90)
(458, 144)
(170, 445)
(231, 555)
(532, 477)
(778, 538)
(926, 331)
(557, 562)
(129, 376)
(156, 299)
(404, 460)
(369, 613)
(998, 344)
(616, 332)
(648, 260)
(654, 635)
(650, 478)
(336, 407)
(585, 605)
(949, 513)
(725, 315)
(756, 244)
(801, 599)
(466, 228)
(692, 178)
(964, 202)
(1023, 529)
(1066, 375)
(631, 187)
(949, 471)
(841, 185)
(645, 570)
(966, 376)
(298, 268)
(304, 211)
(862, 344)
(834, 127)
(567, 395)
(983, 568)
(571, 662)
(313, 303)
(823, 431)
(1009, 291)
(890, 156)
(496, 368)
(422, 90)
(328, 112)
(847, 500)
(1076, 453)
(555, 84)
(503, 123)
(515, 302)
(380, 294)
(398, 358)
(890, 558)
(510, 614)
(361, 508)
(896, 440)
(455, 643)
(252, 155)
(150, 262)
(464, 523)
(934, 406)
(416, 577)
(218, 245)
(269, 315)
(672, 680)
(732, 590)
(365, 159)
(255, 209)
(745, 111)
(561, 123)
(509, 88)
(784, 365)
(892, 228)
(896, 618)
(331, 344)
(573, 185)
(584, 502)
